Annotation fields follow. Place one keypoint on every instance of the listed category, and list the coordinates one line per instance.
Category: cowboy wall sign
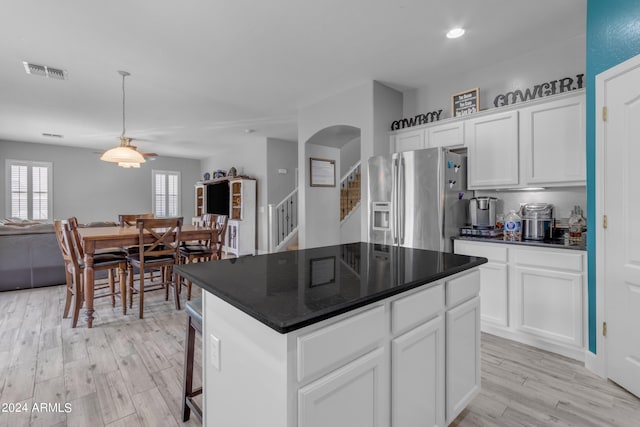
(420, 119)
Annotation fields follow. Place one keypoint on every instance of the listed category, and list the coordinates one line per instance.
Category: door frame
(598, 362)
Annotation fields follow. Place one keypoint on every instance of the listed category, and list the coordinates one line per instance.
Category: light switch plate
(214, 349)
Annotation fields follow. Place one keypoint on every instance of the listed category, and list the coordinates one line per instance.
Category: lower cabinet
(422, 371)
(351, 396)
(418, 376)
(411, 360)
(561, 296)
(463, 356)
(534, 295)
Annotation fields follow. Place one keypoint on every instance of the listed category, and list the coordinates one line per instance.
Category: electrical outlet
(214, 349)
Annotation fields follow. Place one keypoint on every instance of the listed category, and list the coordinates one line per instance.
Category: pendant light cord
(123, 106)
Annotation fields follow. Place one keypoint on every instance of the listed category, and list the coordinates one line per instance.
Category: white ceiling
(204, 71)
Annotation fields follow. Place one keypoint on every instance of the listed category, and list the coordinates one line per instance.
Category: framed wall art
(322, 172)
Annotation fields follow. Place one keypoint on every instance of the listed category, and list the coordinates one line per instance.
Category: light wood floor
(122, 372)
(128, 372)
(524, 386)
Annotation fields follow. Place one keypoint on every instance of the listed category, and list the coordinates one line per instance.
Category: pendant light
(124, 155)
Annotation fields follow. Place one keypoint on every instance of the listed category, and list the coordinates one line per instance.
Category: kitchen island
(349, 335)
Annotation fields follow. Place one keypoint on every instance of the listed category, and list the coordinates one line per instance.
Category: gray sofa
(29, 257)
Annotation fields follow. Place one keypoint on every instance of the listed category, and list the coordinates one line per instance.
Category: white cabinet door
(494, 280)
(408, 140)
(494, 294)
(552, 142)
(492, 156)
(417, 376)
(462, 356)
(351, 396)
(446, 135)
(549, 304)
(233, 237)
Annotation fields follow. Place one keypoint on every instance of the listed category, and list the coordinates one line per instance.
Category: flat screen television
(218, 198)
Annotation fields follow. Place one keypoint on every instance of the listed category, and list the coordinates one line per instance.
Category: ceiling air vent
(44, 71)
(53, 135)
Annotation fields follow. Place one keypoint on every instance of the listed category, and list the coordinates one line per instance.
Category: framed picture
(322, 271)
(322, 172)
(466, 102)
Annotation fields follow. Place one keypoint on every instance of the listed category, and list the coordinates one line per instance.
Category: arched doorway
(326, 222)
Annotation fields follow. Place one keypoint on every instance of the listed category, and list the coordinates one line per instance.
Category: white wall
(353, 108)
(280, 155)
(563, 59)
(349, 155)
(93, 190)
(371, 107)
(249, 159)
(323, 204)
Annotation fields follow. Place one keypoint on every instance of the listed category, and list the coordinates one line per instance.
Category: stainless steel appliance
(537, 221)
(482, 211)
(417, 198)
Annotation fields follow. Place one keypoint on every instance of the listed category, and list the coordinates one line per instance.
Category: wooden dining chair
(205, 250)
(74, 283)
(159, 252)
(73, 255)
(111, 260)
(130, 219)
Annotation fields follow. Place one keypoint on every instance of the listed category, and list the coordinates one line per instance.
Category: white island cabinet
(409, 359)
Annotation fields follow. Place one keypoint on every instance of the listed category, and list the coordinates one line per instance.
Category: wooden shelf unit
(241, 236)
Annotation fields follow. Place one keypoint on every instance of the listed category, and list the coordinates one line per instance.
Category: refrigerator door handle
(394, 200)
(402, 200)
(441, 203)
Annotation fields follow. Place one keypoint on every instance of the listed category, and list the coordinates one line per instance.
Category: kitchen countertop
(289, 290)
(554, 244)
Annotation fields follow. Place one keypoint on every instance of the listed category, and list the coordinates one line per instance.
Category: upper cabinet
(492, 150)
(552, 140)
(539, 143)
(407, 141)
(446, 135)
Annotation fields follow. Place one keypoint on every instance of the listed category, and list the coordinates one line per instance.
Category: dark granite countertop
(289, 290)
(552, 244)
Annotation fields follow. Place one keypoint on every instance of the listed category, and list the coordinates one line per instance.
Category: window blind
(166, 193)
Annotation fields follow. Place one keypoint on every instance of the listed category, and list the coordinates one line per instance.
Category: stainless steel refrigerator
(417, 198)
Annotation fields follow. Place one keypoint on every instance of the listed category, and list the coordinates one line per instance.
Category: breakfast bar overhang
(356, 334)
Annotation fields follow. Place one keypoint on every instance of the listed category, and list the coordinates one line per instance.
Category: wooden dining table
(94, 238)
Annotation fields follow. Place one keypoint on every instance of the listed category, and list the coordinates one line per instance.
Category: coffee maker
(482, 212)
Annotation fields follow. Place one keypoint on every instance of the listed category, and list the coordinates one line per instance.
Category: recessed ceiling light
(454, 33)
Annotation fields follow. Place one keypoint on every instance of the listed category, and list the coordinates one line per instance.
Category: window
(166, 193)
(29, 190)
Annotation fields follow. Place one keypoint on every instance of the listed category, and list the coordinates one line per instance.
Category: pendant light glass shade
(123, 154)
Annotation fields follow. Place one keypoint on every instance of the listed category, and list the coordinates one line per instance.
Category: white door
(621, 204)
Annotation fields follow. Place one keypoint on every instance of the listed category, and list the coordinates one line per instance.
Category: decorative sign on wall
(322, 172)
(420, 119)
(565, 84)
(467, 102)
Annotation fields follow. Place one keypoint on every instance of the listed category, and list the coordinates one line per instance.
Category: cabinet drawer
(462, 288)
(417, 308)
(492, 251)
(337, 344)
(572, 261)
